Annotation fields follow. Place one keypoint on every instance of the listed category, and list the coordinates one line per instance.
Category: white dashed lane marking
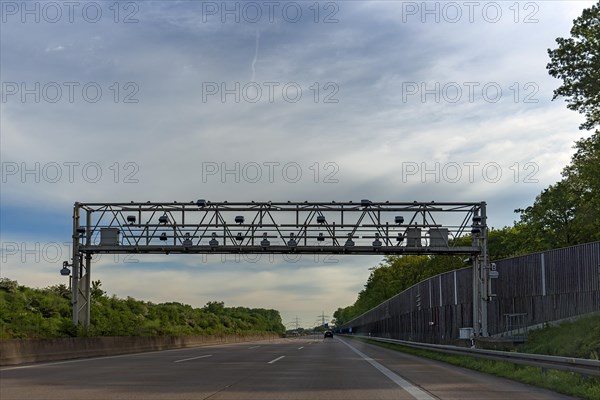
(193, 358)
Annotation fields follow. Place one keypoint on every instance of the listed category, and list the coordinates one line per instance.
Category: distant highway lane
(304, 368)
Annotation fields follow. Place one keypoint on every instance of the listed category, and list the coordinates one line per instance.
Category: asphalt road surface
(305, 368)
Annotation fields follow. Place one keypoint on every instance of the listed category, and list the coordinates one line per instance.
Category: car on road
(328, 334)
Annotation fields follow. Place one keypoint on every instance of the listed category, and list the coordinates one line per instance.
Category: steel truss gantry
(205, 227)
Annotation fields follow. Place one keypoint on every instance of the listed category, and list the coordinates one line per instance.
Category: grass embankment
(580, 339)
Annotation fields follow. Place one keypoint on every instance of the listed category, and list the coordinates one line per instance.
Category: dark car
(328, 334)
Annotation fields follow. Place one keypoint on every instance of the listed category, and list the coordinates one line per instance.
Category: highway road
(296, 368)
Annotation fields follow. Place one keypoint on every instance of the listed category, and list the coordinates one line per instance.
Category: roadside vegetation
(46, 313)
(572, 384)
(579, 338)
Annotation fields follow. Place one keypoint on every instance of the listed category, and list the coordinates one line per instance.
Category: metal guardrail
(570, 364)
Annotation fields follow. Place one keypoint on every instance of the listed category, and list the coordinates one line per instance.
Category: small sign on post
(493, 272)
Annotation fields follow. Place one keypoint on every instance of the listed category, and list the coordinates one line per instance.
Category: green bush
(46, 313)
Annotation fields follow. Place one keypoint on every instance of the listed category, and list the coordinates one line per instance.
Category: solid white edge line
(275, 360)
(253, 347)
(300, 348)
(404, 384)
(193, 358)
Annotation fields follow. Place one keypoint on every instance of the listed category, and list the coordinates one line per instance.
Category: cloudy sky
(240, 101)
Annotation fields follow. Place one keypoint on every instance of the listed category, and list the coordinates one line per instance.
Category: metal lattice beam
(329, 228)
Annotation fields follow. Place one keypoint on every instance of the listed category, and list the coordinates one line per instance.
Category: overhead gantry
(206, 227)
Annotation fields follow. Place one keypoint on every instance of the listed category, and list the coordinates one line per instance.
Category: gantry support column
(480, 275)
(81, 268)
(75, 266)
(485, 273)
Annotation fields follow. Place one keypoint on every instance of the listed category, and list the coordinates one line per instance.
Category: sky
(105, 101)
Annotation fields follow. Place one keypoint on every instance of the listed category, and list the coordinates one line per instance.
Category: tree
(577, 62)
(568, 212)
(8, 285)
(582, 174)
(95, 291)
(512, 241)
(552, 217)
(62, 290)
(215, 307)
